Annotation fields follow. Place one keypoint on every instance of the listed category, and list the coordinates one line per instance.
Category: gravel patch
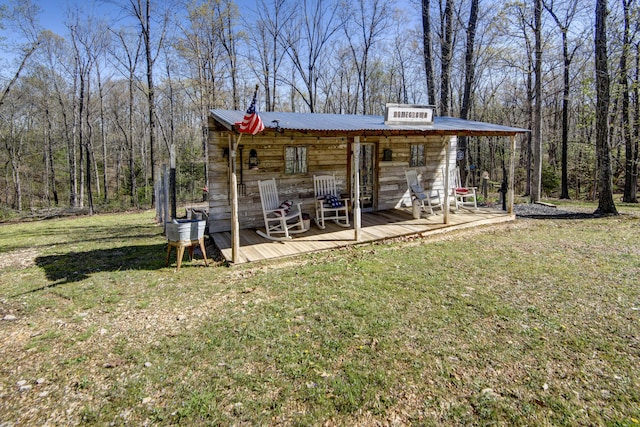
(538, 211)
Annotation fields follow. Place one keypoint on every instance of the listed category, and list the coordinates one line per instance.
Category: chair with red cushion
(464, 197)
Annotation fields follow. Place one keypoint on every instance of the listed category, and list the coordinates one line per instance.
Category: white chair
(329, 205)
(280, 218)
(418, 193)
(464, 197)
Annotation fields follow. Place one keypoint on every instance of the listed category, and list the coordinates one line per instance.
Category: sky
(54, 12)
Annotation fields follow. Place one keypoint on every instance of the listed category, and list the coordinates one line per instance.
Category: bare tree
(306, 42)
(269, 28)
(22, 18)
(631, 152)
(200, 49)
(40, 82)
(61, 62)
(636, 119)
(606, 205)
(102, 43)
(520, 17)
(141, 10)
(427, 43)
(567, 57)
(446, 49)
(86, 37)
(226, 21)
(469, 78)
(364, 26)
(536, 184)
(12, 137)
(129, 58)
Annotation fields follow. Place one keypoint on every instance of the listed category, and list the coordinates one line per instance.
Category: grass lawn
(535, 322)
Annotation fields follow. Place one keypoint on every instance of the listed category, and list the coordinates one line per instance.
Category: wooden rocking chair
(329, 205)
(464, 197)
(280, 218)
(418, 193)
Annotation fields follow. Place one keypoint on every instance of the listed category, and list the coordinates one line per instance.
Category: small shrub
(550, 180)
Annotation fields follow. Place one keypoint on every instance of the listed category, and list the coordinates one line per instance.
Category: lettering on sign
(401, 114)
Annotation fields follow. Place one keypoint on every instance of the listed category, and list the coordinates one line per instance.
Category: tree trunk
(143, 14)
(606, 205)
(529, 145)
(428, 53)
(469, 78)
(15, 77)
(89, 192)
(447, 54)
(81, 137)
(636, 126)
(51, 165)
(567, 58)
(103, 138)
(536, 184)
(89, 150)
(152, 104)
(15, 170)
(13, 144)
(564, 179)
(72, 144)
(630, 178)
(132, 162)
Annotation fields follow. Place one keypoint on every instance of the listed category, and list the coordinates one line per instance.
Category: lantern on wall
(253, 159)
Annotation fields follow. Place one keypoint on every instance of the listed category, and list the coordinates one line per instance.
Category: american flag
(251, 123)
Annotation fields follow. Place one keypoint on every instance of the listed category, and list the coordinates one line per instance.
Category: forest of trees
(88, 116)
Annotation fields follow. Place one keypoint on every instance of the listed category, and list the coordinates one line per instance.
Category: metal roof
(363, 124)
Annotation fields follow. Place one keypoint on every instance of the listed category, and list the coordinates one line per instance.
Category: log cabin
(368, 155)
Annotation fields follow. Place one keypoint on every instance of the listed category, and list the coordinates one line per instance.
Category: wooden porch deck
(375, 226)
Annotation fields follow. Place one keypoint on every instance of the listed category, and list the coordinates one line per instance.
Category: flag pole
(234, 142)
(235, 226)
(235, 145)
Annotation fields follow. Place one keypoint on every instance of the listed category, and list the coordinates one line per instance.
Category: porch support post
(357, 219)
(165, 196)
(447, 174)
(512, 170)
(235, 225)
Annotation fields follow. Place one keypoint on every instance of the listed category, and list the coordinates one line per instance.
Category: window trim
(300, 165)
(417, 155)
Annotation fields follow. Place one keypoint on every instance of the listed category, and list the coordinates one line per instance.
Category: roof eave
(227, 125)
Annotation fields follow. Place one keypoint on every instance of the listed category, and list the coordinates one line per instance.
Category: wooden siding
(392, 190)
(325, 155)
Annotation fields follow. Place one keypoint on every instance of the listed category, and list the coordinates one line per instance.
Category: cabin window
(416, 157)
(295, 159)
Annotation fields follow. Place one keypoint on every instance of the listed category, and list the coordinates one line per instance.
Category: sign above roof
(406, 114)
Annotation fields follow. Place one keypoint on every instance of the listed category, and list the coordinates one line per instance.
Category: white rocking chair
(280, 218)
(418, 193)
(329, 205)
(464, 197)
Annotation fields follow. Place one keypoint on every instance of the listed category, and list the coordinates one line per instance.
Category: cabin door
(367, 168)
(367, 176)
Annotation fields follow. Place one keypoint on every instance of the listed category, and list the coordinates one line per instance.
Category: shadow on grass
(78, 266)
